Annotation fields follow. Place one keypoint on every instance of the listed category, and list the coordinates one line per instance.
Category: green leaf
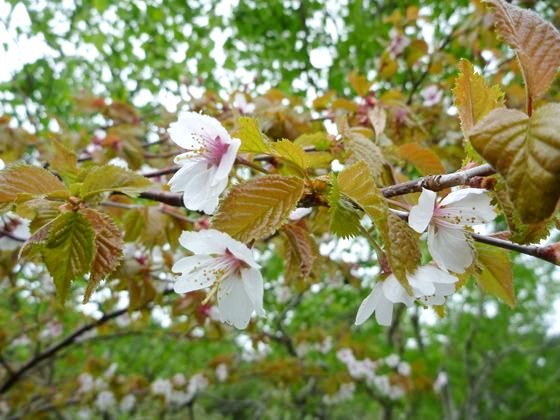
(133, 222)
(526, 152)
(252, 140)
(64, 162)
(292, 154)
(362, 148)
(344, 219)
(108, 249)
(356, 182)
(496, 276)
(257, 208)
(68, 250)
(26, 182)
(473, 98)
(110, 178)
(359, 83)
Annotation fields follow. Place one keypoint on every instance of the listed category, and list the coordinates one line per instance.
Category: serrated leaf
(363, 149)
(473, 98)
(39, 211)
(402, 248)
(252, 139)
(64, 162)
(108, 249)
(26, 181)
(359, 83)
(257, 208)
(291, 153)
(344, 219)
(426, 161)
(110, 178)
(133, 223)
(303, 248)
(356, 182)
(536, 42)
(496, 276)
(520, 232)
(68, 250)
(526, 152)
(378, 119)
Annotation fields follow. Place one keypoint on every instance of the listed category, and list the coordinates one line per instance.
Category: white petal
(369, 304)
(204, 242)
(444, 289)
(187, 264)
(433, 300)
(192, 129)
(300, 213)
(253, 282)
(422, 285)
(194, 280)
(435, 275)
(449, 248)
(384, 312)
(181, 179)
(233, 302)
(228, 159)
(394, 292)
(421, 214)
(469, 206)
(241, 251)
(209, 202)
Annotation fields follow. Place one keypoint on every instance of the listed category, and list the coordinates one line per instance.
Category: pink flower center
(214, 150)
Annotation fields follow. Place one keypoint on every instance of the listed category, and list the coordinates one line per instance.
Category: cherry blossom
(398, 43)
(429, 285)
(448, 242)
(226, 265)
(432, 95)
(206, 165)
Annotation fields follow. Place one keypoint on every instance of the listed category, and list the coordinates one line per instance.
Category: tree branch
(51, 351)
(438, 182)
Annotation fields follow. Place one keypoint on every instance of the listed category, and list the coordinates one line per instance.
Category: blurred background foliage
(113, 74)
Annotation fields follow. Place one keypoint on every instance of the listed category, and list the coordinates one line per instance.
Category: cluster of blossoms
(368, 371)
(449, 244)
(178, 391)
(323, 346)
(345, 392)
(228, 268)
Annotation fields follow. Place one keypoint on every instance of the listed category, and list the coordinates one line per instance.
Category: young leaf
(425, 160)
(356, 182)
(496, 276)
(344, 220)
(362, 148)
(108, 248)
(359, 83)
(252, 139)
(68, 250)
(536, 42)
(473, 98)
(292, 153)
(303, 247)
(378, 119)
(258, 207)
(526, 152)
(64, 162)
(28, 181)
(113, 178)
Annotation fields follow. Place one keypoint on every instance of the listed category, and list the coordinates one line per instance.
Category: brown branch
(438, 182)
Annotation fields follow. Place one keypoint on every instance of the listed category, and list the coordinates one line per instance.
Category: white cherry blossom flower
(429, 284)
(300, 213)
(127, 403)
(206, 165)
(398, 43)
(105, 400)
(226, 265)
(381, 300)
(448, 242)
(222, 372)
(432, 95)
